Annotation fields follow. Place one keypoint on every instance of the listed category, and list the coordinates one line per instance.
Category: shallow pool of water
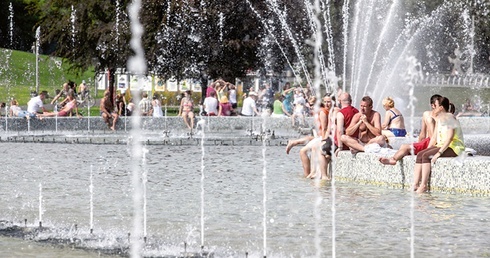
(369, 221)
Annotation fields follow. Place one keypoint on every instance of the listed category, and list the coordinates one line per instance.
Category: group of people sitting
(36, 109)
(344, 127)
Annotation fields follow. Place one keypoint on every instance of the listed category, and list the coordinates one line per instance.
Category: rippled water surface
(370, 221)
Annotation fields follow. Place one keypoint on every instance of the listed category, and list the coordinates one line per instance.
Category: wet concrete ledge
(218, 124)
(469, 176)
(470, 125)
(475, 129)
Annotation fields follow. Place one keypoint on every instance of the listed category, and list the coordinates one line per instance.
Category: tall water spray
(38, 40)
(40, 205)
(91, 190)
(137, 65)
(73, 19)
(202, 179)
(318, 75)
(11, 25)
(414, 72)
(270, 31)
(264, 191)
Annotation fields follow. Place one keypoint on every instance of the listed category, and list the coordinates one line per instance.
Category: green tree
(16, 26)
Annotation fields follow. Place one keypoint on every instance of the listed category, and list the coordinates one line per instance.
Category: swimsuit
(396, 131)
(394, 116)
(187, 106)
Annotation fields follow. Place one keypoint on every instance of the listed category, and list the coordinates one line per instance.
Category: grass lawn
(18, 80)
(18, 75)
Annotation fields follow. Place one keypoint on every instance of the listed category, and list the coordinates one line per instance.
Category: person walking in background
(186, 109)
(394, 124)
(447, 141)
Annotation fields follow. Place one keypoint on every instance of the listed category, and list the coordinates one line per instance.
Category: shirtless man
(368, 124)
(428, 124)
(107, 110)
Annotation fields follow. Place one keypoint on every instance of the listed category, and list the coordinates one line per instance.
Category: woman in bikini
(394, 124)
(186, 109)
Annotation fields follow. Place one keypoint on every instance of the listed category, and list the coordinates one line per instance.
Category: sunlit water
(370, 221)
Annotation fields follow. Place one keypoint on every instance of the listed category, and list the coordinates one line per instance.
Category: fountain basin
(470, 175)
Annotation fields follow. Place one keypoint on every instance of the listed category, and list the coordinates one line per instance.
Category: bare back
(428, 125)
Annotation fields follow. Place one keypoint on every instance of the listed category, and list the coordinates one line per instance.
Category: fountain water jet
(91, 190)
(137, 65)
(40, 205)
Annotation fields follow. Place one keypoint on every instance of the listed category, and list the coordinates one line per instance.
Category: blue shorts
(398, 132)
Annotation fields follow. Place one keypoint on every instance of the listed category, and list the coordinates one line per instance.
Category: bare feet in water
(311, 175)
(387, 161)
(421, 189)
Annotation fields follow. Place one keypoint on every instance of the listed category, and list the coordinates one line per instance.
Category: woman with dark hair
(447, 141)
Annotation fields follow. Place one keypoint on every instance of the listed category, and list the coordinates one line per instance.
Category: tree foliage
(193, 38)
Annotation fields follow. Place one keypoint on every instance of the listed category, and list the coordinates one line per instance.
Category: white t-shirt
(232, 94)
(248, 106)
(211, 105)
(34, 105)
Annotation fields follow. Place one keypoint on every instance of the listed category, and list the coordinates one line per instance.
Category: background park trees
(200, 39)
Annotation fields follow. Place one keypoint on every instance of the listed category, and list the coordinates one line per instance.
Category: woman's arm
(433, 139)
(445, 145)
(386, 120)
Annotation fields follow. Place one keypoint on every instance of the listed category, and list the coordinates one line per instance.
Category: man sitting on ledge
(107, 110)
(368, 125)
